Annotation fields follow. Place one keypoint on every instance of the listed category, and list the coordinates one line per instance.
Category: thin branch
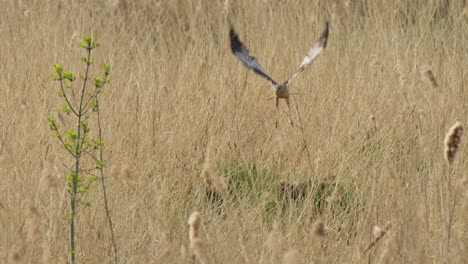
(91, 155)
(79, 145)
(106, 206)
(73, 95)
(94, 96)
(63, 142)
(65, 96)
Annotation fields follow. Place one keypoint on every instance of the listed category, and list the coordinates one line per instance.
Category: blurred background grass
(371, 124)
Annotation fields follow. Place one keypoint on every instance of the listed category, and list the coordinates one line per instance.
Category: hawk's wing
(242, 53)
(317, 48)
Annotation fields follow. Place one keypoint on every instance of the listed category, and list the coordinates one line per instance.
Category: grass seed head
(452, 142)
(212, 178)
(194, 222)
(33, 223)
(377, 232)
(428, 76)
(114, 172)
(13, 256)
(48, 181)
(318, 228)
(126, 173)
(197, 246)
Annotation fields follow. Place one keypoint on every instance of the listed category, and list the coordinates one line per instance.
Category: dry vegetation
(375, 108)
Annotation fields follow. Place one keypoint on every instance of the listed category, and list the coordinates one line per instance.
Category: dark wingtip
(325, 33)
(232, 33)
(235, 42)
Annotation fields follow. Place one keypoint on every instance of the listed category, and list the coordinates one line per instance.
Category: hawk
(281, 89)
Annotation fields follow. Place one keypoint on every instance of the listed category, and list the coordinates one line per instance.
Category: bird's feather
(317, 48)
(242, 53)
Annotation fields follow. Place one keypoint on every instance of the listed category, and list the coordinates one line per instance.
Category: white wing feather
(314, 52)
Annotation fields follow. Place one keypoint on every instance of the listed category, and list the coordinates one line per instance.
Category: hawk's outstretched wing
(242, 53)
(317, 48)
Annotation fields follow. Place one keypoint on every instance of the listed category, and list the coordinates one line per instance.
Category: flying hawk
(281, 89)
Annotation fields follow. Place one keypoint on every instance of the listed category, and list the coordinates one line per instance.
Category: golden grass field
(370, 141)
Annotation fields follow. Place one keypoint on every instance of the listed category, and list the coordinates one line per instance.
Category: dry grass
(371, 123)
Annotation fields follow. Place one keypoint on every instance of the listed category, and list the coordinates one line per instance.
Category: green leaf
(85, 203)
(71, 135)
(98, 143)
(95, 106)
(98, 81)
(100, 165)
(92, 178)
(57, 135)
(69, 178)
(60, 94)
(67, 84)
(66, 109)
(87, 39)
(106, 69)
(51, 119)
(82, 191)
(69, 75)
(85, 127)
(68, 218)
(85, 60)
(58, 69)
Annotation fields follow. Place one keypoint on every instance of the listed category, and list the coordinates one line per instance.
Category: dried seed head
(126, 173)
(197, 246)
(72, 40)
(428, 76)
(452, 142)
(114, 172)
(212, 178)
(387, 173)
(194, 222)
(13, 256)
(121, 4)
(48, 181)
(402, 70)
(33, 223)
(318, 228)
(377, 232)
